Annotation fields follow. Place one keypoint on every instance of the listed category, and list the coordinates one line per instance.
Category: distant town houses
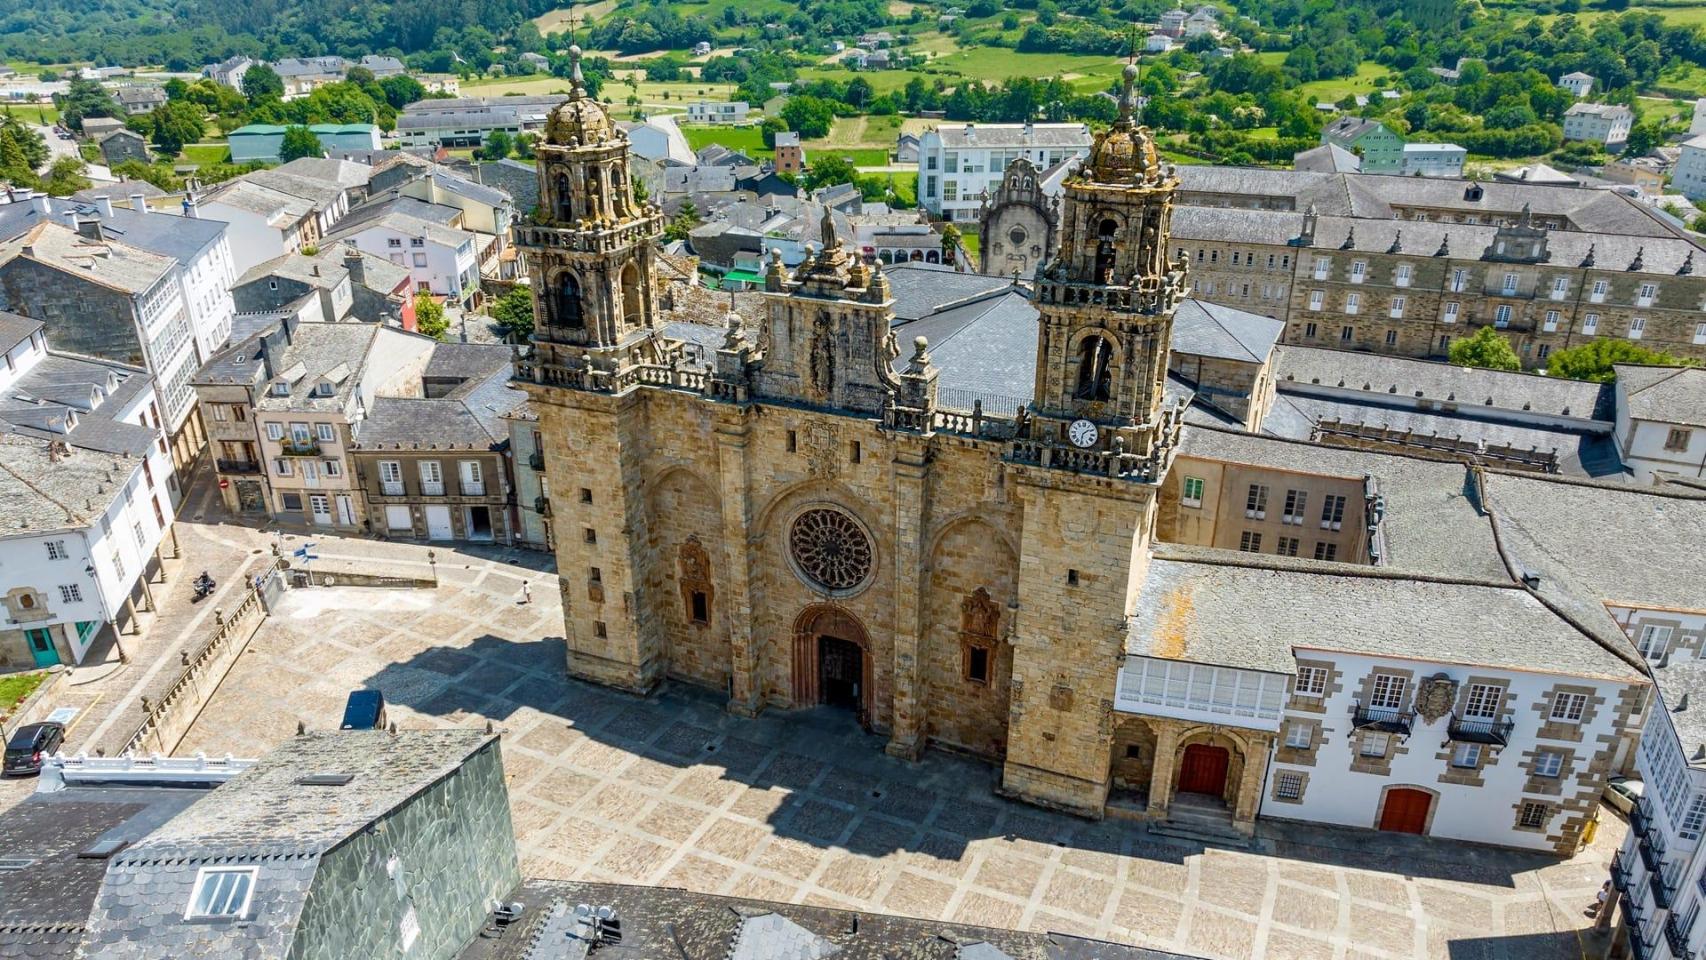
(140, 99)
(1381, 150)
(1606, 124)
(1578, 83)
(959, 163)
(468, 121)
(702, 111)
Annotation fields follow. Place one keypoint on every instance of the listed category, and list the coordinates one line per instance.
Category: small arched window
(569, 302)
(633, 306)
(1095, 369)
(1108, 229)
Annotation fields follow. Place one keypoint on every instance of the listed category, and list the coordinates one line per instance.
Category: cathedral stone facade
(1017, 227)
(803, 524)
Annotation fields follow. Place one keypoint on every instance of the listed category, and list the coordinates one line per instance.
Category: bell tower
(589, 249)
(1107, 297)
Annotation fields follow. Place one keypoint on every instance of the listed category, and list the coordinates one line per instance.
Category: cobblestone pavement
(805, 807)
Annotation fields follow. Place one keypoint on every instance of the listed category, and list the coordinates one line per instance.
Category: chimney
(105, 206)
(42, 204)
(139, 203)
(70, 218)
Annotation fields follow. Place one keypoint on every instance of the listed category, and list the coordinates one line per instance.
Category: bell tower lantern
(589, 247)
(1107, 297)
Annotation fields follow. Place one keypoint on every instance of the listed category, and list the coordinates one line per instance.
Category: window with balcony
(432, 478)
(1359, 270)
(391, 478)
(1396, 309)
(1560, 287)
(1637, 327)
(1551, 324)
(1502, 315)
(1322, 267)
(1388, 691)
(1459, 281)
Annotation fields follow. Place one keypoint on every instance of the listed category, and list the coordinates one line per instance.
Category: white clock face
(1082, 433)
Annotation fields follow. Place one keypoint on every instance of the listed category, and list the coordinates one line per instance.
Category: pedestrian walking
(526, 592)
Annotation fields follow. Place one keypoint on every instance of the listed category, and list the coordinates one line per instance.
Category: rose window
(830, 549)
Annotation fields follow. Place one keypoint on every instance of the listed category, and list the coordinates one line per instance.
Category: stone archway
(823, 634)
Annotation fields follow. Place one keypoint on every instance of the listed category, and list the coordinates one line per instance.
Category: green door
(41, 644)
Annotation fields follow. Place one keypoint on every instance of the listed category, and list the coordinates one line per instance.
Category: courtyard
(806, 807)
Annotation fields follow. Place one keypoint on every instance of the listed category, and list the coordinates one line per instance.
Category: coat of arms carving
(1435, 696)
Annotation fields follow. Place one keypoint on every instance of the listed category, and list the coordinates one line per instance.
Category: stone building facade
(1017, 225)
(801, 521)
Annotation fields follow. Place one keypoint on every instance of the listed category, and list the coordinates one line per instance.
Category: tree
(86, 99)
(524, 145)
(261, 81)
(769, 129)
(514, 312)
(497, 145)
(1594, 360)
(1643, 137)
(685, 219)
(809, 116)
(827, 171)
(299, 142)
(177, 122)
(429, 316)
(402, 90)
(1487, 348)
(65, 177)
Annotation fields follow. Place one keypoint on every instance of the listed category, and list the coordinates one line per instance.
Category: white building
(957, 163)
(467, 121)
(1661, 420)
(1689, 174)
(440, 259)
(1433, 160)
(1606, 123)
(658, 138)
(271, 213)
(718, 111)
(229, 72)
(1578, 83)
(1205, 19)
(84, 498)
(1157, 43)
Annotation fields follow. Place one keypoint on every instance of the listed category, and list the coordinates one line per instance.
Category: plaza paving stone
(805, 807)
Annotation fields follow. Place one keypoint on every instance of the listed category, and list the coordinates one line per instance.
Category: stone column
(909, 709)
(747, 691)
(1161, 770)
(1249, 797)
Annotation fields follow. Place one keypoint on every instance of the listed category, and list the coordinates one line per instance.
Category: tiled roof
(1406, 379)
(40, 492)
(1208, 329)
(1252, 611)
(1664, 394)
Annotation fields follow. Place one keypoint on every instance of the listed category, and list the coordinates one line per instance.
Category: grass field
(1340, 87)
(202, 154)
(671, 97)
(14, 687)
(860, 156)
(863, 132)
(748, 140)
(43, 113)
(994, 64)
(882, 81)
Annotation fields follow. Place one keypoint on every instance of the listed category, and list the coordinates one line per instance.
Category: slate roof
(119, 190)
(1682, 685)
(36, 404)
(1350, 128)
(1208, 329)
(1664, 394)
(667, 922)
(15, 329)
(1327, 158)
(280, 208)
(109, 263)
(264, 816)
(346, 174)
(1252, 611)
(317, 350)
(1402, 378)
(1432, 524)
(44, 907)
(981, 136)
(322, 193)
(920, 290)
(410, 226)
(38, 494)
(1610, 111)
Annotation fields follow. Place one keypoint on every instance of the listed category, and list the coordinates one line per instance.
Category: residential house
(435, 467)
(303, 75)
(1661, 420)
(1603, 123)
(87, 493)
(959, 163)
(316, 389)
(104, 298)
(1381, 150)
(262, 141)
(122, 145)
(656, 139)
(336, 283)
(445, 83)
(1157, 43)
(382, 66)
(1203, 20)
(702, 48)
(95, 128)
(1172, 22)
(282, 210)
(532, 488)
(1578, 83)
(906, 148)
(539, 62)
(229, 72)
(790, 156)
(140, 99)
(1646, 174)
(718, 112)
(1433, 160)
(486, 210)
(467, 121)
(441, 259)
(1689, 174)
(339, 843)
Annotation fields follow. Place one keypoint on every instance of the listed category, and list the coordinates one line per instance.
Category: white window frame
(1551, 324)
(1323, 267)
(1502, 316)
(56, 550)
(1359, 270)
(1387, 691)
(1466, 755)
(1317, 299)
(1601, 289)
(1353, 303)
(1397, 310)
(1299, 736)
(1185, 497)
(1560, 287)
(1699, 333)
(231, 911)
(1512, 283)
(1646, 294)
(1637, 327)
(1450, 313)
(1311, 682)
(323, 432)
(275, 431)
(1568, 707)
(1548, 764)
(1653, 641)
(1369, 739)
(1590, 323)
(1401, 275)
(1483, 701)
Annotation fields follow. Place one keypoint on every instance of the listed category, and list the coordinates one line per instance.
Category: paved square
(804, 807)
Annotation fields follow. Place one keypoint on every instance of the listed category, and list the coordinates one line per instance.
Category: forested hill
(184, 34)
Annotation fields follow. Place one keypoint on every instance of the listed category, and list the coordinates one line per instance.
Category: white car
(1621, 793)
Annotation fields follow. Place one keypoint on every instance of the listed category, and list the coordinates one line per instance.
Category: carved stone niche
(1435, 697)
(693, 567)
(980, 620)
(1060, 698)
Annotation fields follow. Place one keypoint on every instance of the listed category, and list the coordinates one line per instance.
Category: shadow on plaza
(842, 789)
(1557, 945)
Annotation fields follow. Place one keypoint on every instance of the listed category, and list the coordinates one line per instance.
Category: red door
(1406, 811)
(1204, 770)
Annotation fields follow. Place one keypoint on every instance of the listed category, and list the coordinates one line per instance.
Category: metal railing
(391, 488)
(1676, 937)
(1476, 730)
(1621, 876)
(1660, 889)
(473, 489)
(1652, 849)
(536, 460)
(1386, 719)
(300, 448)
(1640, 817)
(432, 489)
(542, 506)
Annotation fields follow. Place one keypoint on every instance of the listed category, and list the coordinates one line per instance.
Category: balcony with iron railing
(391, 488)
(473, 488)
(432, 488)
(1480, 730)
(300, 448)
(1641, 817)
(1652, 849)
(1660, 890)
(1384, 719)
(1676, 937)
(237, 466)
(1622, 877)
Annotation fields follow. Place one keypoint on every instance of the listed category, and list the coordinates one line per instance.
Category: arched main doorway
(832, 661)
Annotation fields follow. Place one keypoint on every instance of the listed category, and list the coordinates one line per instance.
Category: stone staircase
(1202, 818)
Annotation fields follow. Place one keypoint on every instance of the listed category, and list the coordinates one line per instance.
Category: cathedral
(803, 522)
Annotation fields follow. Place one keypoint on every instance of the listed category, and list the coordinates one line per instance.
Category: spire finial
(1128, 98)
(575, 70)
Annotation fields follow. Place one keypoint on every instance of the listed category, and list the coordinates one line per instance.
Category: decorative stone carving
(830, 550)
(820, 442)
(979, 616)
(694, 572)
(1434, 697)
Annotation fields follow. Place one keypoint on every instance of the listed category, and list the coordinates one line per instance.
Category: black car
(29, 744)
(365, 710)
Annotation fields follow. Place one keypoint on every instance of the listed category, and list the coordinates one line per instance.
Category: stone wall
(86, 318)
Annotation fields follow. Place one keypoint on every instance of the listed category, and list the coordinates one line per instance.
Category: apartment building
(959, 163)
(441, 259)
(1381, 150)
(1602, 123)
(87, 492)
(1661, 422)
(703, 111)
(467, 121)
